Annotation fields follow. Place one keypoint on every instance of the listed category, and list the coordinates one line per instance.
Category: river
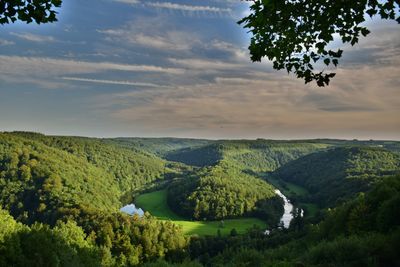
(288, 207)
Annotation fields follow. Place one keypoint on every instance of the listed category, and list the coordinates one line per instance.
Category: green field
(156, 204)
(288, 189)
(311, 209)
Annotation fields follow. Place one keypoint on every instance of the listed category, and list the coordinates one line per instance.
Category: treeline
(223, 191)
(335, 175)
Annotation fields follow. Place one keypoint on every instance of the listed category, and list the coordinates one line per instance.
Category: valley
(199, 201)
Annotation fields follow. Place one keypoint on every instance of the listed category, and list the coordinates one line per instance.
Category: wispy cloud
(128, 1)
(129, 83)
(184, 8)
(167, 41)
(237, 52)
(190, 8)
(205, 64)
(6, 42)
(34, 37)
(44, 65)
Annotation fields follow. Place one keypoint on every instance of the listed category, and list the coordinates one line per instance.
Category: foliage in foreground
(297, 35)
(97, 240)
(43, 11)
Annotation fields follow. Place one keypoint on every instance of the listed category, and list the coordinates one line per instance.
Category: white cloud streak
(129, 83)
(170, 40)
(6, 42)
(128, 1)
(34, 37)
(43, 65)
(190, 8)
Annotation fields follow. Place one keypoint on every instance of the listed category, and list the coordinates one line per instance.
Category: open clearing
(156, 204)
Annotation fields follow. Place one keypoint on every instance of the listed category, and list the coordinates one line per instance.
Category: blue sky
(181, 68)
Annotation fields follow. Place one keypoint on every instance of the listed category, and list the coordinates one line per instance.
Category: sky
(178, 68)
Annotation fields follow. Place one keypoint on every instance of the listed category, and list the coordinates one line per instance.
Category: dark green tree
(39, 11)
(295, 34)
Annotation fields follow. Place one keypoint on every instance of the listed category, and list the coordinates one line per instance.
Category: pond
(131, 209)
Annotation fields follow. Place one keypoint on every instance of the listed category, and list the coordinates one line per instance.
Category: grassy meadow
(156, 204)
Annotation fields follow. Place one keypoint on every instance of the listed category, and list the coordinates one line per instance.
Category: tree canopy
(39, 11)
(295, 35)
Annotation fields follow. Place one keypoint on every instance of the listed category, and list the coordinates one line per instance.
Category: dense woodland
(258, 155)
(60, 200)
(223, 191)
(337, 174)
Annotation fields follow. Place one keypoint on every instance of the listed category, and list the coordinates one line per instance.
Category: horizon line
(200, 138)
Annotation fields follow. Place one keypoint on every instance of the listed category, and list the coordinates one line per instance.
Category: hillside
(131, 169)
(40, 183)
(158, 146)
(66, 194)
(266, 155)
(254, 155)
(223, 191)
(339, 173)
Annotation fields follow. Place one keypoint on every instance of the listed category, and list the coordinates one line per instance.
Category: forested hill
(65, 193)
(131, 168)
(41, 183)
(255, 155)
(338, 173)
(44, 177)
(223, 191)
(158, 146)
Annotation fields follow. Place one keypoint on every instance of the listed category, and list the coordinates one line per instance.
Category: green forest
(61, 199)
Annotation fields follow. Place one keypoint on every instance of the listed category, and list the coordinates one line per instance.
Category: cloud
(180, 7)
(190, 8)
(236, 52)
(167, 40)
(34, 37)
(129, 83)
(205, 64)
(43, 65)
(268, 104)
(128, 1)
(46, 72)
(6, 42)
